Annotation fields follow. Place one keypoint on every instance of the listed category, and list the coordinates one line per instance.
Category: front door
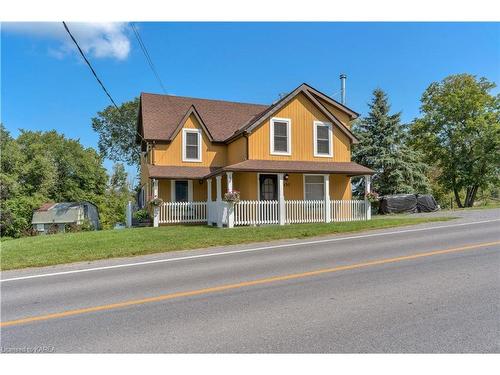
(268, 187)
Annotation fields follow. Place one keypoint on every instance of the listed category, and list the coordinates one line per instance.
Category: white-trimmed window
(281, 139)
(314, 187)
(191, 145)
(181, 190)
(323, 139)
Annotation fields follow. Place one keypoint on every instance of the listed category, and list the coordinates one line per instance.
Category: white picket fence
(256, 212)
(299, 211)
(183, 212)
(262, 212)
(349, 210)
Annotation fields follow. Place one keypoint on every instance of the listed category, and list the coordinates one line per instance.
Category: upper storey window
(323, 139)
(280, 136)
(191, 145)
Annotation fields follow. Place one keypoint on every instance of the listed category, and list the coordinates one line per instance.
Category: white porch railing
(262, 212)
(183, 212)
(349, 210)
(299, 211)
(256, 212)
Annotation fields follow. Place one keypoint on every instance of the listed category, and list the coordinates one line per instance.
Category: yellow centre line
(221, 288)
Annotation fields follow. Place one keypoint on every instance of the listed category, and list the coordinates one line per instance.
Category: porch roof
(283, 166)
(173, 172)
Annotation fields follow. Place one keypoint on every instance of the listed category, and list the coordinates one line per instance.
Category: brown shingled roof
(284, 166)
(271, 166)
(163, 171)
(162, 114)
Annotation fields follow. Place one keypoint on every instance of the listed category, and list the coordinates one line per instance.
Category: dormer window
(280, 136)
(323, 140)
(191, 145)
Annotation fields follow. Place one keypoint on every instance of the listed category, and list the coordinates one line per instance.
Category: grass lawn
(86, 246)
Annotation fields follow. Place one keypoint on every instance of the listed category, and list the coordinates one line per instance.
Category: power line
(90, 66)
(93, 71)
(148, 57)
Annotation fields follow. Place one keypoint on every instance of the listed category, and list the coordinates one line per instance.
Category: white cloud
(98, 39)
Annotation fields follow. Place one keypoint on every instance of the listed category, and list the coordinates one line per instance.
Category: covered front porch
(269, 195)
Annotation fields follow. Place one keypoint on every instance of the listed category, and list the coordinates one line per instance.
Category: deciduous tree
(39, 167)
(117, 132)
(459, 132)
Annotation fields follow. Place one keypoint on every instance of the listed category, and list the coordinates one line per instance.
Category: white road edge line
(243, 251)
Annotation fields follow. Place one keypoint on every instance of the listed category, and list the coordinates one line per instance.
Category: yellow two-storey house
(289, 162)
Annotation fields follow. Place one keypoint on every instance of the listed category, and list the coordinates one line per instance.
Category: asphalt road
(392, 290)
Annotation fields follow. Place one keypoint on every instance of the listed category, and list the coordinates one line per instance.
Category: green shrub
(72, 228)
(86, 226)
(140, 215)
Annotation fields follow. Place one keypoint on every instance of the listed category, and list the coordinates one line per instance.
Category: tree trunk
(468, 193)
(457, 198)
(471, 196)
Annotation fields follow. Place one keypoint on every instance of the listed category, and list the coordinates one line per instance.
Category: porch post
(172, 190)
(368, 205)
(218, 199)
(218, 182)
(156, 209)
(281, 199)
(229, 181)
(209, 190)
(230, 205)
(328, 216)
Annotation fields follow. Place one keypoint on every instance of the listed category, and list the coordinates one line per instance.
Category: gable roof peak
(191, 111)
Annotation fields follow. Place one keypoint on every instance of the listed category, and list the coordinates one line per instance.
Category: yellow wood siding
(246, 184)
(340, 187)
(294, 187)
(237, 151)
(199, 190)
(171, 153)
(164, 190)
(144, 171)
(342, 116)
(302, 114)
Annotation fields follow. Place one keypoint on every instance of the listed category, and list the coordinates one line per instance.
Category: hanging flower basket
(155, 202)
(372, 197)
(232, 196)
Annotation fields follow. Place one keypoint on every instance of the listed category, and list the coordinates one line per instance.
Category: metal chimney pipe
(343, 77)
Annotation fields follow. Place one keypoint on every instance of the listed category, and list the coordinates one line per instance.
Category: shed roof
(57, 213)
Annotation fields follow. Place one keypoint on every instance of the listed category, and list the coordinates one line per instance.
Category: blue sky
(45, 85)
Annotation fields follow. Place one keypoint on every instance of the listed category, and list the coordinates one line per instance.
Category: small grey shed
(64, 213)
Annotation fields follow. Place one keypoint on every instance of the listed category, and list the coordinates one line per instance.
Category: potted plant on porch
(232, 196)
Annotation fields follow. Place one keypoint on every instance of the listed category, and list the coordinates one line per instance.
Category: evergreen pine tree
(383, 148)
